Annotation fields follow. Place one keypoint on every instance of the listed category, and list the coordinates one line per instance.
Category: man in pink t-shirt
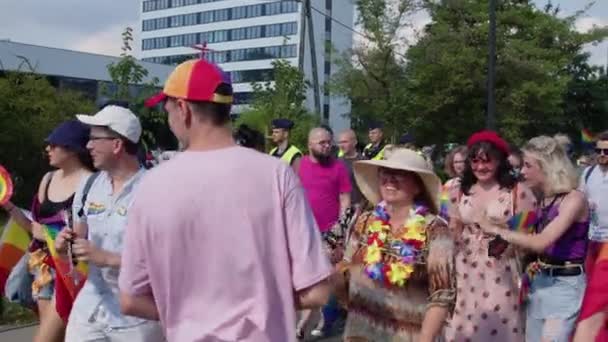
(325, 179)
(220, 243)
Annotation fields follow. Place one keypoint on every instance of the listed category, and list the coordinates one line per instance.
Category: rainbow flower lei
(389, 259)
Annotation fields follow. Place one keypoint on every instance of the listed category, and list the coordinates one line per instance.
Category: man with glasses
(100, 221)
(327, 186)
(594, 182)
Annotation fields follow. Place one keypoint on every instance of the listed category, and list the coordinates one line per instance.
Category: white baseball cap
(119, 119)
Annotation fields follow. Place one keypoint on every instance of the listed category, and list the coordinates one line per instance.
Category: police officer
(280, 137)
(375, 149)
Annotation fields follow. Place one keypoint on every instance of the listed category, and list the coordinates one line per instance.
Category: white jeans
(97, 332)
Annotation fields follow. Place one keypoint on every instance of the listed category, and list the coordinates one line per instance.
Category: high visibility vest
(289, 155)
(378, 156)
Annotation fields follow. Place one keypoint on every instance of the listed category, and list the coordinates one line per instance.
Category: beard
(324, 159)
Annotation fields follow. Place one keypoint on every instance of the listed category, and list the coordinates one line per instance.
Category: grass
(10, 313)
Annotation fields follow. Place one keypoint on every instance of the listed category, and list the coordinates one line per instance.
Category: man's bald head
(319, 144)
(347, 140)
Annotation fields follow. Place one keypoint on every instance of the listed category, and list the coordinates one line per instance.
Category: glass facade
(157, 5)
(237, 55)
(243, 33)
(206, 17)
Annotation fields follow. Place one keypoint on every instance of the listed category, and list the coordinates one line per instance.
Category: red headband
(491, 137)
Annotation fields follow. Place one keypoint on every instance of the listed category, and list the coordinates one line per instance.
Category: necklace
(390, 258)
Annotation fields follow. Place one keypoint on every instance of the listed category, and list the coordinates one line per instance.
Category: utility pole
(491, 114)
(302, 36)
(313, 59)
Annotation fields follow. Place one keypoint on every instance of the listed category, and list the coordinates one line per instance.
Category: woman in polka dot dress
(487, 298)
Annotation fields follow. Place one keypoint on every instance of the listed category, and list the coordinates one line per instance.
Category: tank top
(572, 245)
(49, 208)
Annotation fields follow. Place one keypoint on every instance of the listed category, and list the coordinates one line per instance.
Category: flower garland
(390, 259)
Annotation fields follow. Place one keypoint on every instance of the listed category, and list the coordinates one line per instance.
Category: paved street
(27, 334)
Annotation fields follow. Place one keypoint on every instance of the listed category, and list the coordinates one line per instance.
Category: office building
(245, 36)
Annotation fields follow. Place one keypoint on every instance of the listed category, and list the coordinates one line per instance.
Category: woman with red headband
(487, 303)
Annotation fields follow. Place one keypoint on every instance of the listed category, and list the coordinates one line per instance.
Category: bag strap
(514, 199)
(85, 191)
(588, 172)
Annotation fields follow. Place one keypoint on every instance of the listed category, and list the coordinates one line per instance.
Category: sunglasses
(602, 151)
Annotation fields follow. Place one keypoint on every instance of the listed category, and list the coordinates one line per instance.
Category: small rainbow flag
(444, 203)
(72, 280)
(14, 243)
(523, 222)
(587, 138)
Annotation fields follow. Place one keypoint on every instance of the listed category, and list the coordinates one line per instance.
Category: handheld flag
(6, 186)
(523, 222)
(13, 245)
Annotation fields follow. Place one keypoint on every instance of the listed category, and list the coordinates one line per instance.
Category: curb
(17, 327)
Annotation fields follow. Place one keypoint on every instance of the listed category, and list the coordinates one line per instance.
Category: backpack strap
(588, 172)
(85, 191)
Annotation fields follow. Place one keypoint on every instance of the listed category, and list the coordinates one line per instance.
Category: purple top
(572, 245)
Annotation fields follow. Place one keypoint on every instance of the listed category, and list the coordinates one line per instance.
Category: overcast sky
(95, 25)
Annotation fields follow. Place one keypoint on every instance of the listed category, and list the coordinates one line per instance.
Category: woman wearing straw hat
(398, 267)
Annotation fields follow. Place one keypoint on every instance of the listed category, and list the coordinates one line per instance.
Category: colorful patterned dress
(487, 298)
(379, 312)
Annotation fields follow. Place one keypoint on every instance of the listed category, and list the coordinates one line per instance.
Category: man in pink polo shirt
(220, 243)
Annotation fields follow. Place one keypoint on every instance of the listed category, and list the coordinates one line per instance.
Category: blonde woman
(557, 275)
(455, 163)
(399, 258)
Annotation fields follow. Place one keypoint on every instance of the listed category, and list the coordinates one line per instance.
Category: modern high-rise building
(245, 36)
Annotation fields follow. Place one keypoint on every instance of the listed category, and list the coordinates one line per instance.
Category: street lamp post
(491, 110)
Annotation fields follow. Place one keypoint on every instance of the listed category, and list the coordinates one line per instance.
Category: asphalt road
(27, 334)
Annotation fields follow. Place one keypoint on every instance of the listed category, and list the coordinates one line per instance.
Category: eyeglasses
(602, 151)
(93, 138)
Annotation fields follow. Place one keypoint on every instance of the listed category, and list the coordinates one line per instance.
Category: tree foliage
(128, 85)
(30, 108)
(372, 75)
(439, 91)
(284, 97)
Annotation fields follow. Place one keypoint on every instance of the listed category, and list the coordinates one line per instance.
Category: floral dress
(378, 311)
(487, 297)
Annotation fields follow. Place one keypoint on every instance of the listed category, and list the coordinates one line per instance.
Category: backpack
(588, 172)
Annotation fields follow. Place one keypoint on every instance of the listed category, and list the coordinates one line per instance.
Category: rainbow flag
(444, 203)
(523, 222)
(14, 243)
(587, 138)
(73, 279)
(596, 294)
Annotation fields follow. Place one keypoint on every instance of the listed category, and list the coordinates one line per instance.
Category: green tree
(373, 74)
(29, 110)
(586, 99)
(283, 97)
(128, 78)
(447, 68)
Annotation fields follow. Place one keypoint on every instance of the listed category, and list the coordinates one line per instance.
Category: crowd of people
(225, 242)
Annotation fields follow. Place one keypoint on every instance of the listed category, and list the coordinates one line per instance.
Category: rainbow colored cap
(194, 80)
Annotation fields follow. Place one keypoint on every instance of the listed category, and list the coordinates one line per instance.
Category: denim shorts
(554, 298)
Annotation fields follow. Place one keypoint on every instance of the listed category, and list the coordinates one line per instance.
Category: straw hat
(366, 173)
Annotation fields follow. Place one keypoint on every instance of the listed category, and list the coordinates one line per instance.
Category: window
(239, 12)
(191, 39)
(147, 44)
(220, 15)
(149, 25)
(162, 23)
(176, 41)
(289, 29)
(162, 4)
(273, 8)
(254, 32)
(177, 3)
(160, 43)
(177, 20)
(206, 17)
(238, 34)
(220, 36)
(190, 19)
(289, 6)
(243, 98)
(190, 2)
(254, 11)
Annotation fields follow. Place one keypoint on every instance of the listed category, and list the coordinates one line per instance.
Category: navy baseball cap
(71, 134)
(282, 123)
